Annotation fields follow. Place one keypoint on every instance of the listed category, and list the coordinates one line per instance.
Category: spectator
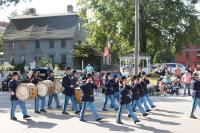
(89, 69)
(186, 79)
(177, 72)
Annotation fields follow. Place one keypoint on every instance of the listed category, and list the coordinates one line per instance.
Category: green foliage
(166, 24)
(84, 50)
(9, 2)
(163, 56)
(43, 62)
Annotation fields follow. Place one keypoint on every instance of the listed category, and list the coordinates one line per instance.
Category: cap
(68, 68)
(14, 74)
(123, 78)
(89, 76)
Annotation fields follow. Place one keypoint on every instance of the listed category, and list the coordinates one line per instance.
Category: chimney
(69, 8)
(31, 11)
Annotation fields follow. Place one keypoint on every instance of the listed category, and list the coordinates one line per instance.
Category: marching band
(122, 94)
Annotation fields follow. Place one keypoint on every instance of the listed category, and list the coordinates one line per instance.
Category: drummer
(69, 91)
(53, 95)
(76, 82)
(35, 80)
(14, 101)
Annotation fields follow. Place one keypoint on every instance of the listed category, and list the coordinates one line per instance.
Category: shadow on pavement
(167, 111)
(33, 124)
(163, 122)
(58, 116)
(153, 129)
(164, 115)
(112, 127)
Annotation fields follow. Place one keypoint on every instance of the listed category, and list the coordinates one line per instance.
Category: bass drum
(33, 90)
(23, 92)
(42, 89)
(58, 86)
(50, 86)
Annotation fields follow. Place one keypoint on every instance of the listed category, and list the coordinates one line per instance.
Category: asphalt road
(170, 116)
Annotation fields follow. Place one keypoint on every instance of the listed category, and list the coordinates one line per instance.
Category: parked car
(5, 80)
(172, 66)
(43, 72)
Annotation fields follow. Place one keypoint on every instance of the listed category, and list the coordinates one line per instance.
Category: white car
(172, 66)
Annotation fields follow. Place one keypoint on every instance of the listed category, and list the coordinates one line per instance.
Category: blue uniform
(125, 101)
(35, 81)
(88, 100)
(53, 96)
(116, 92)
(14, 101)
(196, 96)
(142, 99)
(69, 92)
(109, 95)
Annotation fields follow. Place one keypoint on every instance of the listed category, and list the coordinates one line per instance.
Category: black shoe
(153, 106)
(129, 115)
(26, 116)
(105, 110)
(148, 110)
(13, 118)
(65, 113)
(116, 109)
(59, 107)
(37, 112)
(134, 110)
(43, 110)
(136, 121)
(193, 117)
(119, 122)
(145, 114)
(83, 120)
(77, 112)
(49, 107)
(99, 119)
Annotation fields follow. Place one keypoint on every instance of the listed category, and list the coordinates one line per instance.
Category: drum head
(33, 89)
(50, 85)
(22, 92)
(58, 86)
(42, 89)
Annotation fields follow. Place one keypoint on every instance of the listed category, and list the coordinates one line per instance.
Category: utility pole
(137, 36)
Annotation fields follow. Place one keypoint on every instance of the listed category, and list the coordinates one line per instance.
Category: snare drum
(33, 89)
(57, 86)
(42, 89)
(25, 91)
(50, 86)
(78, 94)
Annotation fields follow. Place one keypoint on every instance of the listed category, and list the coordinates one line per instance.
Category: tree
(9, 2)
(43, 62)
(167, 24)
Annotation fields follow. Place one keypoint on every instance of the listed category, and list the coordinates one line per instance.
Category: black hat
(89, 76)
(115, 76)
(134, 77)
(107, 74)
(67, 68)
(50, 71)
(195, 75)
(14, 74)
(123, 78)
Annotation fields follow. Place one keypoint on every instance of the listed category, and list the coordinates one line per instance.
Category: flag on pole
(106, 51)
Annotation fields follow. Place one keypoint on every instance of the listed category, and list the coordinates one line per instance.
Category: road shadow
(165, 122)
(112, 127)
(167, 111)
(164, 115)
(33, 124)
(58, 116)
(153, 129)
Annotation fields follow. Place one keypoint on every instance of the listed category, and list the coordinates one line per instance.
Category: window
(79, 26)
(63, 59)
(51, 44)
(23, 59)
(37, 44)
(63, 43)
(23, 45)
(12, 60)
(51, 58)
(11, 45)
(37, 58)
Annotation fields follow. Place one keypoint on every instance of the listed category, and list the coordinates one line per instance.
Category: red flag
(106, 51)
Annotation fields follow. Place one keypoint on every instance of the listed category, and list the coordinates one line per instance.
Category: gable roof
(57, 26)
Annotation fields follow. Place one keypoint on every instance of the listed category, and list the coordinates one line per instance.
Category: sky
(41, 6)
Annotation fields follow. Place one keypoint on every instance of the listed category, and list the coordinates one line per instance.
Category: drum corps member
(35, 80)
(53, 95)
(88, 98)
(69, 91)
(14, 101)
